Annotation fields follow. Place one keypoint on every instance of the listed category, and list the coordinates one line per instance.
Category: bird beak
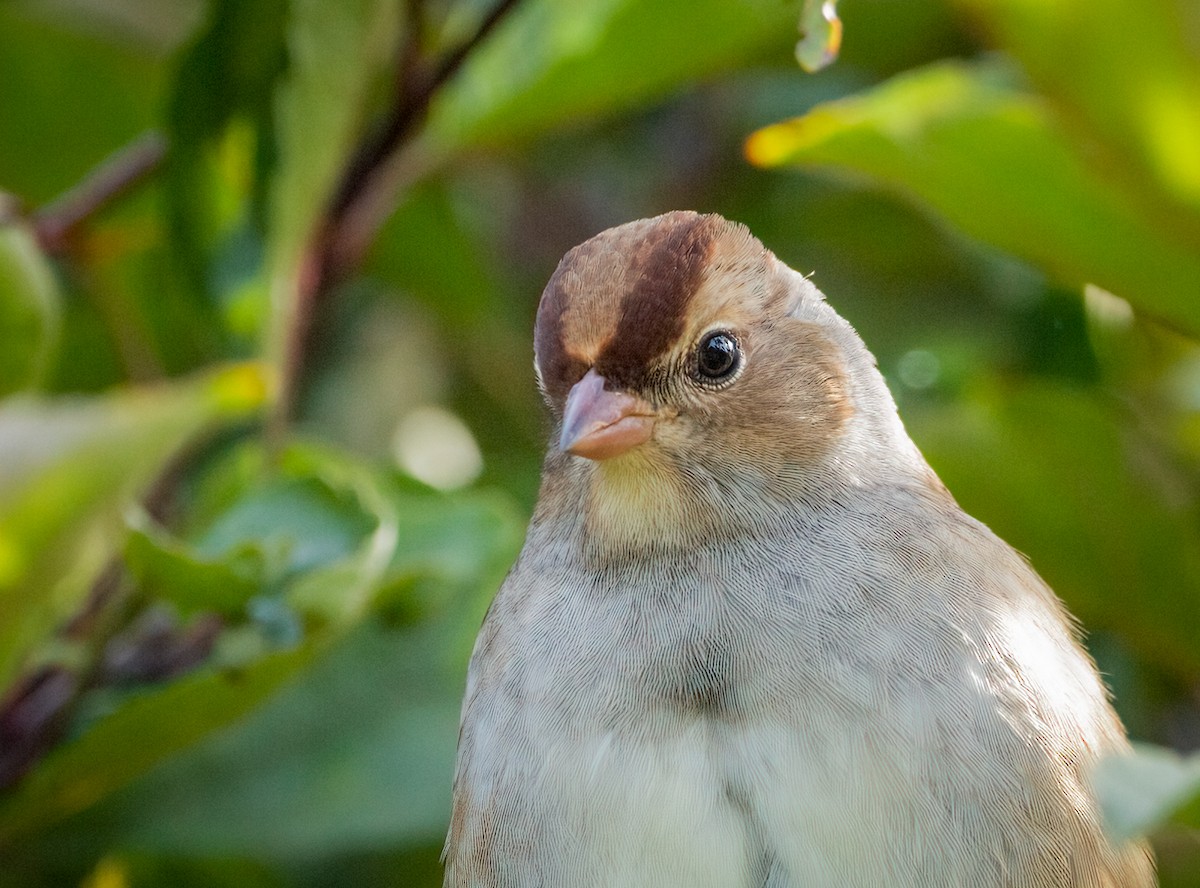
(599, 424)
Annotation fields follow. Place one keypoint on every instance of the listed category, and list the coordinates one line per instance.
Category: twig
(333, 251)
(383, 139)
(415, 92)
(361, 218)
(33, 718)
(56, 223)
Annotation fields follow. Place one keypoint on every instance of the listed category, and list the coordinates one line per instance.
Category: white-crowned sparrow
(751, 639)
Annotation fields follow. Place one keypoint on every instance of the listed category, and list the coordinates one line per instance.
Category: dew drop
(820, 35)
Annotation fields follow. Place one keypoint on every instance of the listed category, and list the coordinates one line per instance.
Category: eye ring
(718, 357)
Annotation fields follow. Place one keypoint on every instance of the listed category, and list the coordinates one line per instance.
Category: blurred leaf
(417, 866)
(229, 72)
(1144, 790)
(552, 63)
(220, 123)
(66, 102)
(165, 721)
(334, 52)
(340, 594)
(29, 310)
(298, 523)
(425, 250)
(67, 468)
(157, 26)
(125, 266)
(359, 751)
(994, 162)
(463, 540)
(1070, 482)
(1129, 71)
(167, 568)
(138, 736)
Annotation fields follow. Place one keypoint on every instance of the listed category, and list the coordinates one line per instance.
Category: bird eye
(717, 356)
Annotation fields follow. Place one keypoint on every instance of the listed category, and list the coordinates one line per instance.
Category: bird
(751, 640)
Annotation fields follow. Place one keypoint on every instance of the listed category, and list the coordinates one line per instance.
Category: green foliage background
(234, 624)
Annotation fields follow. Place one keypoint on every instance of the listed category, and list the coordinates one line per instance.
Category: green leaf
(334, 52)
(138, 736)
(156, 325)
(552, 63)
(1146, 789)
(996, 164)
(1074, 484)
(68, 467)
(341, 593)
(1130, 72)
(67, 100)
(359, 751)
(167, 568)
(438, 258)
(463, 541)
(333, 592)
(299, 523)
(29, 309)
(221, 130)
(426, 251)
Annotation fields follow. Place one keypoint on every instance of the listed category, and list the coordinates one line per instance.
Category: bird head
(680, 357)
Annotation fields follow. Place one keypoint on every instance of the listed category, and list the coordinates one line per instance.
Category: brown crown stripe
(665, 265)
(666, 268)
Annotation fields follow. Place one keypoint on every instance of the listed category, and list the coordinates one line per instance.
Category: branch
(343, 236)
(56, 223)
(417, 89)
(378, 145)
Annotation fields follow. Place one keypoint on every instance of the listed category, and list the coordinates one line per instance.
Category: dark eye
(718, 356)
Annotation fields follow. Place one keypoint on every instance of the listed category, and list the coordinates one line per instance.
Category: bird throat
(639, 501)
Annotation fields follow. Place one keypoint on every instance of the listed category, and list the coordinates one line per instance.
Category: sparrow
(751, 640)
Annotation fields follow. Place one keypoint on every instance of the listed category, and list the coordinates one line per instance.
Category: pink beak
(599, 424)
